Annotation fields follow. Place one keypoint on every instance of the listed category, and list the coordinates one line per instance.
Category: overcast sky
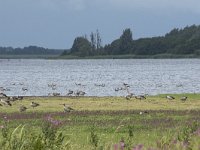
(55, 23)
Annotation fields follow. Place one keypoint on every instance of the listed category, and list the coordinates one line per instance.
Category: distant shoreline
(160, 56)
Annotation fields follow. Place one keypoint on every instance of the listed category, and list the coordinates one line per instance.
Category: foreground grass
(148, 122)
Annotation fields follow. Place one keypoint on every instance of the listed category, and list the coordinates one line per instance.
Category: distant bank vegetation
(178, 42)
(9, 52)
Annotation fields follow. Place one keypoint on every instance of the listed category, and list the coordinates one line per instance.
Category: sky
(55, 23)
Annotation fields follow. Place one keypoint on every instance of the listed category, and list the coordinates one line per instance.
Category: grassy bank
(102, 122)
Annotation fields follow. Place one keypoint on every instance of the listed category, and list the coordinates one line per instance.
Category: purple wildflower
(122, 144)
(116, 147)
(197, 132)
(53, 121)
(138, 147)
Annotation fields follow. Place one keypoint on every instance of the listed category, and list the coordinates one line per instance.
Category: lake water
(145, 76)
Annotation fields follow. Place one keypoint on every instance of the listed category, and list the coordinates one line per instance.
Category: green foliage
(176, 42)
(22, 139)
(30, 50)
(126, 39)
(81, 47)
(94, 140)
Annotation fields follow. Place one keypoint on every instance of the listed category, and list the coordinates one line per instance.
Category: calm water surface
(145, 76)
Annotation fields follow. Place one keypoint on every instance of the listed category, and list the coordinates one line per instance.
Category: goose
(56, 94)
(33, 104)
(129, 96)
(20, 97)
(3, 95)
(70, 92)
(67, 108)
(22, 108)
(24, 89)
(140, 97)
(12, 98)
(82, 93)
(126, 85)
(116, 89)
(170, 97)
(6, 102)
(184, 98)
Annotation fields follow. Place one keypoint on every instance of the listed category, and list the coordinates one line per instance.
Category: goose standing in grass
(67, 108)
(140, 97)
(22, 108)
(3, 95)
(6, 102)
(34, 104)
(82, 93)
(170, 97)
(183, 99)
(129, 96)
(20, 97)
(56, 94)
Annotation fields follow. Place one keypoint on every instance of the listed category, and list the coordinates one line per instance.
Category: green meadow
(109, 123)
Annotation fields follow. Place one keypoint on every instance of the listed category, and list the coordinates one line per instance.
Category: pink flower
(2, 126)
(138, 147)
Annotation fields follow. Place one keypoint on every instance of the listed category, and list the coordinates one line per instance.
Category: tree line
(30, 50)
(177, 42)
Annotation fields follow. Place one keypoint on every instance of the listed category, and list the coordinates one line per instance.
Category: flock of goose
(8, 100)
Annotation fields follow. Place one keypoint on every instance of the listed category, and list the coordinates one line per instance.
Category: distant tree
(98, 39)
(81, 47)
(93, 41)
(126, 42)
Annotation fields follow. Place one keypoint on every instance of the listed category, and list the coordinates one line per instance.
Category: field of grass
(102, 122)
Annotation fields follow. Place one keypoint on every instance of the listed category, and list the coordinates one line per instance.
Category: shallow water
(145, 76)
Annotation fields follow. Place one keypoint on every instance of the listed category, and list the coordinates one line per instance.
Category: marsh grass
(100, 123)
